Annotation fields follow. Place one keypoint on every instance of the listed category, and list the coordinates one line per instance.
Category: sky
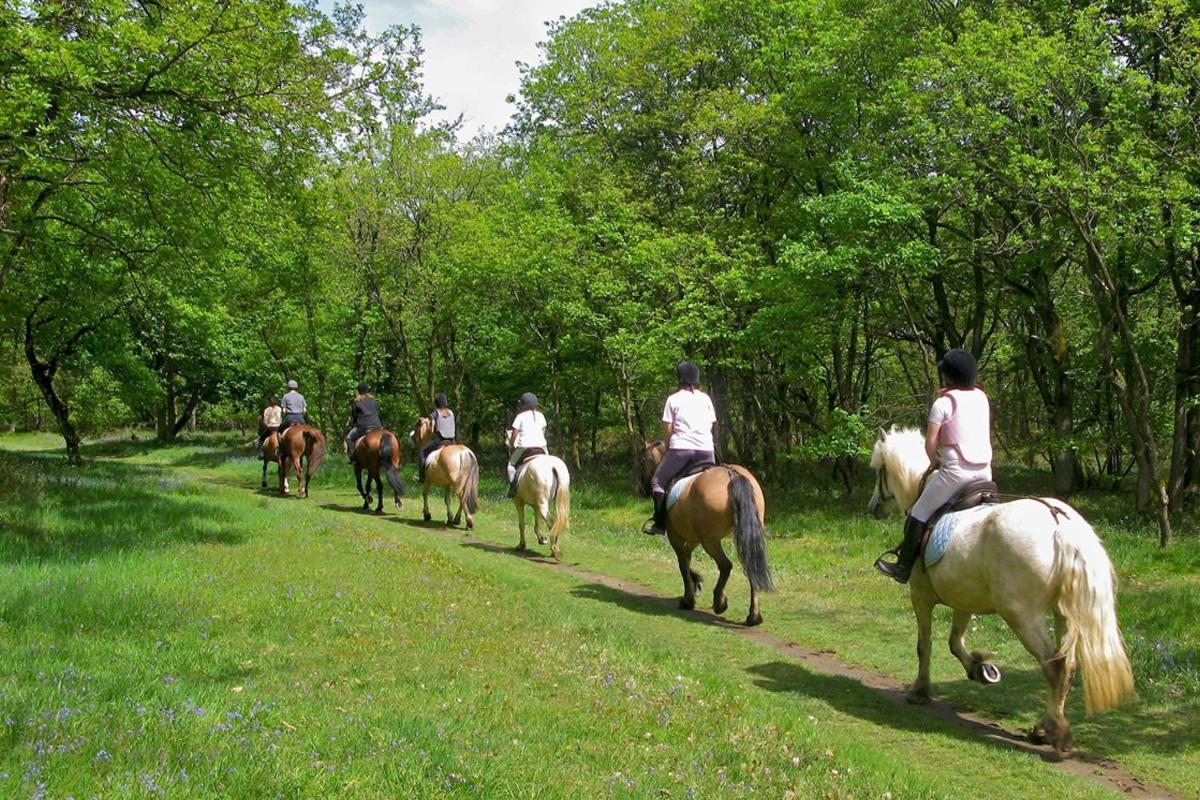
(471, 49)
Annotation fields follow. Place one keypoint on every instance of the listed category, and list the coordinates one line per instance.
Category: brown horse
(455, 469)
(721, 499)
(300, 442)
(268, 455)
(379, 449)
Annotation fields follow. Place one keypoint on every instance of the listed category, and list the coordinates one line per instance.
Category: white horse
(544, 480)
(1020, 560)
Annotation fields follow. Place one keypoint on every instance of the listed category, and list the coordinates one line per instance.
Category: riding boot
(906, 553)
(658, 523)
(512, 487)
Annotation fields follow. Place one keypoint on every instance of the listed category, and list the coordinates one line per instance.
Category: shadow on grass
(527, 554)
(60, 513)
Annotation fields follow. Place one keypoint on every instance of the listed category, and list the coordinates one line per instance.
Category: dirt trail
(1102, 771)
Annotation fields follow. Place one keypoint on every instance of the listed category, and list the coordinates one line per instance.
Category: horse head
(648, 460)
(899, 460)
(422, 432)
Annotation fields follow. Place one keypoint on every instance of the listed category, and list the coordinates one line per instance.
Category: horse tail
(386, 457)
(471, 495)
(748, 533)
(1087, 598)
(313, 439)
(562, 501)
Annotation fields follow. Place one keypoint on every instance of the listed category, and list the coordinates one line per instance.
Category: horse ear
(880, 434)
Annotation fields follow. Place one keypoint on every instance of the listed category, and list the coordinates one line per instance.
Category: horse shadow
(528, 554)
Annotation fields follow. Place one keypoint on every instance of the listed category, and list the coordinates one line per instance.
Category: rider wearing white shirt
(959, 444)
(688, 419)
(527, 434)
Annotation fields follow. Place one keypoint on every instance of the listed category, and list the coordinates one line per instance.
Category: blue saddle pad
(943, 530)
(677, 489)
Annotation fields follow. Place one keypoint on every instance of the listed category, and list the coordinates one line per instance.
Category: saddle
(530, 452)
(976, 493)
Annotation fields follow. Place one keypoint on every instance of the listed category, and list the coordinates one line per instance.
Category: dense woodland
(813, 199)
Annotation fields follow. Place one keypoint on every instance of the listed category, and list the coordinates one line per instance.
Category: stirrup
(651, 528)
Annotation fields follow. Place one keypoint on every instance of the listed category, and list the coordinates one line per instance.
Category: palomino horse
(378, 449)
(1023, 561)
(544, 480)
(455, 469)
(300, 442)
(721, 499)
(269, 455)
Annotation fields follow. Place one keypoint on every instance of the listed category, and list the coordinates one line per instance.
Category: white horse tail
(562, 500)
(470, 465)
(1087, 598)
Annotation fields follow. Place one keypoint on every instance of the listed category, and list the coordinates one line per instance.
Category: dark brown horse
(721, 499)
(378, 450)
(300, 442)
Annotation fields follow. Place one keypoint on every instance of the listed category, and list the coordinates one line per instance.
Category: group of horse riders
(957, 441)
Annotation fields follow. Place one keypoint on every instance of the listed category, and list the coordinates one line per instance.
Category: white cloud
(472, 48)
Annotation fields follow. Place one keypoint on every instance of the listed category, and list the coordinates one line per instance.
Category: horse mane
(902, 451)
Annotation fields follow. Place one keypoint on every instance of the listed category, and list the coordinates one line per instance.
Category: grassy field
(168, 630)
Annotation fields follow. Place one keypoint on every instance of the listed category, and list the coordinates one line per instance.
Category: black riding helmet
(688, 374)
(529, 401)
(959, 367)
(363, 388)
(440, 401)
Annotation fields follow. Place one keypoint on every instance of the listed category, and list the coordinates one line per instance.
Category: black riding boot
(906, 553)
(658, 523)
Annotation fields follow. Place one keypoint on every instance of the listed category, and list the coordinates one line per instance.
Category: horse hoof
(989, 673)
(753, 619)
(686, 604)
(427, 516)
(918, 697)
(470, 526)
(543, 540)
(557, 555)
(720, 605)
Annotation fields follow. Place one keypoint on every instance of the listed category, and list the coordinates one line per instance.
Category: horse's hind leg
(714, 549)
(364, 494)
(978, 665)
(425, 499)
(264, 477)
(1031, 630)
(450, 520)
(683, 553)
(378, 493)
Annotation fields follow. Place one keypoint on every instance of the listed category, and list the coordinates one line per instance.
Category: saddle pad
(431, 458)
(677, 489)
(943, 530)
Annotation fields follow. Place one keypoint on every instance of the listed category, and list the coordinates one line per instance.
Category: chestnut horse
(300, 442)
(378, 449)
(721, 499)
(268, 455)
(1023, 560)
(454, 468)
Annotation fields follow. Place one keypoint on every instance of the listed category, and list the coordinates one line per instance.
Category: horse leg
(683, 552)
(446, 497)
(365, 495)
(425, 499)
(520, 522)
(264, 478)
(1030, 628)
(919, 692)
(714, 549)
(978, 665)
(378, 493)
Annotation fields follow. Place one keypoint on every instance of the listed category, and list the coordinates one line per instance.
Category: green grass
(168, 630)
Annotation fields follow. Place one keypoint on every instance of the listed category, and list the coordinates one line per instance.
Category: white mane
(902, 451)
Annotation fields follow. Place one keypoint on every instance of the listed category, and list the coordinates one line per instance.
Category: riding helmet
(529, 400)
(688, 374)
(440, 401)
(293, 385)
(363, 388)
(959, 367)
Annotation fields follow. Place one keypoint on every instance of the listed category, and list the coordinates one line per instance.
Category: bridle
(886, 495)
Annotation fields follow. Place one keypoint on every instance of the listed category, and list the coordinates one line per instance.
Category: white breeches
(944, 484)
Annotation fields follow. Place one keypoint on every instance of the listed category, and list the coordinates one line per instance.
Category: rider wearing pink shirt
(959, 444)
(688, 419)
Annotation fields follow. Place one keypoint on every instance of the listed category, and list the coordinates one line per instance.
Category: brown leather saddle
(530, 453)
(976, 493)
